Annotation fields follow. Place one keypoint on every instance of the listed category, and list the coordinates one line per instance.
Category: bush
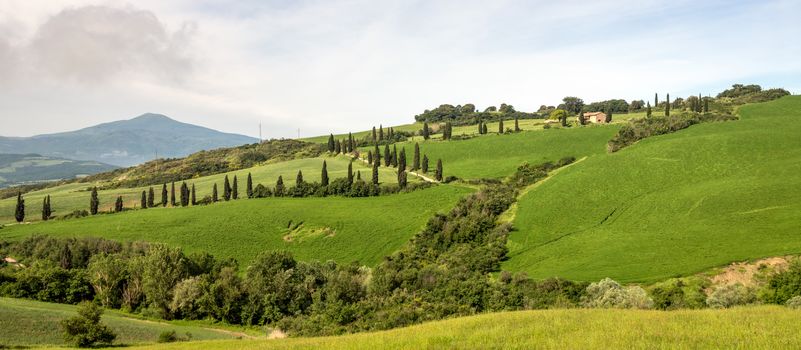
(783, 286)
(794, 302)
(610, 294)
(85, 330)
(730, 295)
(171, 337)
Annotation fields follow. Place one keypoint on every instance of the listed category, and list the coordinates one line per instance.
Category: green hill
(670, 205)
(27, 323)
(761, 327)
(17, 169)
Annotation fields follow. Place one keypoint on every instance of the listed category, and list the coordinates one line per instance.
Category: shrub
(730, 295)
(610, 294)
(171, 337)
(794, 302)
(783, 286)
(85, 330)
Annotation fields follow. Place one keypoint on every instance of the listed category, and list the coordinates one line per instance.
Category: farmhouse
(595, 117)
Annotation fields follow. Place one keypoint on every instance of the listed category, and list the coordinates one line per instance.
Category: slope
(16, 169)
(670, 205)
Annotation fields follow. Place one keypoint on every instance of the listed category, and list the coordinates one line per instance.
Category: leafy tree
(572, 105)
(500, 126)
(581, 119)
(416, 158)
(235, 189)
(279, 186)
(164, 195)
(214, 193)
(387, 156)
(480, 128)
(151, 198)
(424, 167)
(85, 330)
(143, 204)
(402, 160)
(559, 114)
(438, 173)
(299, 178)
(164, 268)
(107, 274)
(425, 132)
(401, 178)
(249, 189)
(350, 173)
(506, 109)
(173, 202)
(19, 212)
(667, 106)
(226, 189)
(375, 173)
(324, 175)
(94, 202)
(331, 146)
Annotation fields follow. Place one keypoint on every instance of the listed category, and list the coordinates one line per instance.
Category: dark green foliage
(358, 175)
(350, 142)
(614, 105)
(416, 158)
(394, 156)
(706, 105)
(324, 174)
(380, 132)
(639, 129)
(438, 172)
(151, 197)
(572, 105)
(338, 147)
(517, 125)
(783, 285)
(214, 194)
(279, 187)
(500, 126)
(163, 268)
(376, 155)
(648, 111)
(370, 157)
(447, 131)
(85, 330)
(19, 211)
(299, 178)
(424, 166)
(426, 131)
(609, 112)
(249, 188)
(173, 199)
(673, 295)
(226, 189)
(331, 145)
(387, 156)
(262, 191)
(235, 189)
(47, 210)
(194, 195)
(164, 195)
(402, 160)
(185, 195)
(742, 94)
(667, 106)
(350, 174)
(375, 136)
(401, 178)
(94, 202)
(143, 203)
(484, 129)
(118, 205)
(375, 173)
(656, 99)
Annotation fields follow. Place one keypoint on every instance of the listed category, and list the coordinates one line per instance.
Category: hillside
(764, 327)
(670, 205)
(17, 169)
(126, 142)
(27, 323)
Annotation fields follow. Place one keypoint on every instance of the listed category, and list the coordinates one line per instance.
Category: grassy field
(764, 327)
(67, 198)
(336, 228)
(670, 205)
(33, 323)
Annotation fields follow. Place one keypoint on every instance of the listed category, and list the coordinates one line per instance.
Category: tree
(235, 189)
(249, 186)
(185, 195)
(581, 119)
(656, 99)
(706, 105)
(350, 173)
(667, 106)
(401, 178)
(480, 128)
(143, 204)
(151, 198)
(226, 189)
(194, 195)
(358, 175)
(416, 158)
(338, 147)
(572, 105)
(387, 156)
(438, 173)
(164, 195)
(517, 125)
(299, 178)
(214, 193)
(94, 202)
(424, 167)
(85, 330)
(376, 155)
(402, 160)
(19, 212)
(331, 143)
(395, 156)
(375, 137)
(648, 110)
(559, 114)
(164, 267)
(324, 174)
(370, 157)
(375, 173)
(380, 132)
(500, 126)
(484, 128)
(46, 210)
(279, 186)
(350, 142)
(425, 133)
(447, 131)
(608, 114)
(172, 195)
(118, 204)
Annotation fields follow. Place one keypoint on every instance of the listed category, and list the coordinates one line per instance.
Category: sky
(314, 67)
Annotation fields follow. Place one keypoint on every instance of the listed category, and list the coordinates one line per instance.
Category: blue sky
(334, 66)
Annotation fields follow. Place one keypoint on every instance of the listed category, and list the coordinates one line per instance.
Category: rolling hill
(17, 169)
(126, 142)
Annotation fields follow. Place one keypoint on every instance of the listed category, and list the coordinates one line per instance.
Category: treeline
(639, 129)
(468, 115)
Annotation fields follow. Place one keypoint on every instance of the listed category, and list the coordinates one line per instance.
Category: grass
(763, 327)
(669, 205)
(34, 323)
(70, 197)
(332, 228)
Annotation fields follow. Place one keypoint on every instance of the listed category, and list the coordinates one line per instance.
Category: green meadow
(25, 323)
(669, 205)
(314, 228)
(762, 327)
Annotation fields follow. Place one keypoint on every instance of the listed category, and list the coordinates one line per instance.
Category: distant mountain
(19, 169)
(126, 142)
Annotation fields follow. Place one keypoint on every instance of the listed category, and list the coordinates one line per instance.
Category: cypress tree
(609, 114)
(706, 105)
(438, 173)
(424, 167)
(375, 173)
(387, 156)
(401, 178)
(330, 142)
(144, 200)
(194, 195)
(151, 198)
(94, 202)
(338, 147)
(500, 126)
(376, 155)
(656, 100)
(699, 104)
(226, 189)
(299, 178)
(249, 186)
(648, 110)
(118, 204)
(380, 132)
(374, 135)
(184, 194)
(172, 195)
(480, 128)
(370, 157)
(235, 189)
(667, 106)
(350, 142)
(358, 175)
(279, 187)
(416, 158)
(49, 207)
(517, 126)
(395, 156)
(46, 208)
(19, 211)
(402, 160)
(350, 173)
(426, 134)
(164, 195)
(324, 174)
(484, 127)
(214, 193)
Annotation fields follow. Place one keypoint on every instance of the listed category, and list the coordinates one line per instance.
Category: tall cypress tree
(331, 143)
(358, 175)
(370, 157)
(118, 204)
(402, 160)
(299, 178)
(279, 187)
(350, 142)
(164, 195)
(426, 133)
(648, 110)
(416, 158)
(517, 126)
(46, 208)
(374, 135)
(438, 173)
(151, 198)
(249, 185)
(94, 202)
(194, 195)
(324, 175)
(401, 178)
(706, 105)
(380, 132)
(214, 193)
(184, 194)
(484, 128)
(143, 204)
(350, 172)
(172, 195)
(608, 113)
(338, 147)
(667, 106)
(235, 189)
(19, 211)
(387, 156)
(656, 100)
(226, 189)
(699, 104)
(424, 167)
(500, 126)
(376, 155)
(394, 155)
(375, 173)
